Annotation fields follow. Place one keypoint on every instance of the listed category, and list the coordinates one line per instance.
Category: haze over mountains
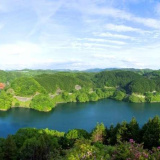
(87, 70)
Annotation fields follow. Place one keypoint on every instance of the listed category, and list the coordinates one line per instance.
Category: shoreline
(3, 110)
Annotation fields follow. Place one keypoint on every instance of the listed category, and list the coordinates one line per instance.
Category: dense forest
(43, 89)
(125, 141)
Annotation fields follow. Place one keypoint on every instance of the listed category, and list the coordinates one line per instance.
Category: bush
(119, 95)
(136, 99)
(82, 97)
(5, 100)
(42, 102)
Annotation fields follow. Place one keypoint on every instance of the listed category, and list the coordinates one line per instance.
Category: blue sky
(79, 34)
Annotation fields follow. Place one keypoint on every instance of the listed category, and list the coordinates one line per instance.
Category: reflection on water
(77, 115)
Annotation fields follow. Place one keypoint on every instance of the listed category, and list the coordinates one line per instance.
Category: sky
(79, 34)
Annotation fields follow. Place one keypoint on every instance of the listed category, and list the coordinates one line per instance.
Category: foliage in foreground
(125, 141)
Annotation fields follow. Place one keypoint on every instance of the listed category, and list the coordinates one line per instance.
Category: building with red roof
(2, 85)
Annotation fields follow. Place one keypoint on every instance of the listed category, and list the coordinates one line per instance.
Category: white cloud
(85, 45)
(44, 11)
(48, 64)
(123, 28)
(20, 48)
(105, 11)
(118, 14)
(118, 36)
(104, 56)
(19, 55)
(59, 30)
(105, 41)
(149, 22)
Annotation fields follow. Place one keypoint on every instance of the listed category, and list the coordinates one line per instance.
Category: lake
(77, 115)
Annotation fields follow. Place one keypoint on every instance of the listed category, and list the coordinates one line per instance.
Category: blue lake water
(77, 115)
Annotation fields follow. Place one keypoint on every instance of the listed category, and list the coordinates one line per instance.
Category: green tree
(136, 99)
(93, 96)
(26, 86)
(151, 133)
(66, 97)
(130, 150)
(141, 85)
(133, 130)
(100, 93)
(30, 149)
(5, 100)
(10, 149)
(2, 142)
(82, 97)
(77, 134)
(99, 133)
(42, 102)
(119, 95)
(83, 150)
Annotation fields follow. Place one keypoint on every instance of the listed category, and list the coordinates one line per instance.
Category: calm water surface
(77, 115)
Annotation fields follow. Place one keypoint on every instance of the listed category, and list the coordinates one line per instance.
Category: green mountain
(23, 87)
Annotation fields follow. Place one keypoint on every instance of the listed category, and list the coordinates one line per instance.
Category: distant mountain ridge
(112, 69)
(87, 70)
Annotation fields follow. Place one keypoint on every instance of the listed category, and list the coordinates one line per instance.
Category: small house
(2, 86)
(59, 91)
(78, 87)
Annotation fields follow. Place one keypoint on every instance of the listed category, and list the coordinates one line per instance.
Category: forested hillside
(8, 76)
(64, 81)
(115, 78)
(125, 141)
(27, 87)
